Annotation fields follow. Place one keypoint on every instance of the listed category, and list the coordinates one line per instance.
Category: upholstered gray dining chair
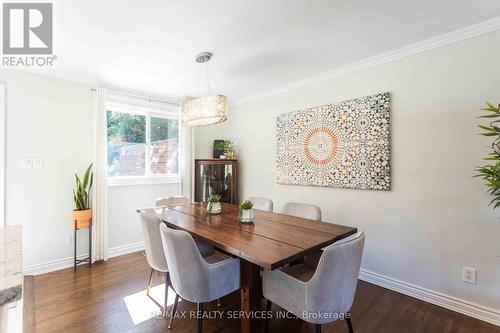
(262, 203)
(306, 211)
(179, 200)
(318, 294)
(176, 200)
(156, 256)
(194, 277)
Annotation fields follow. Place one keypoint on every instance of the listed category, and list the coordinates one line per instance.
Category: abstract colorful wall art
(343, 145)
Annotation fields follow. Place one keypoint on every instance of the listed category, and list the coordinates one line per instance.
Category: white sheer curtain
(100, 187)
(186, 159)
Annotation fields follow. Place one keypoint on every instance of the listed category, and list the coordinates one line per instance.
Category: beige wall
(436, 218)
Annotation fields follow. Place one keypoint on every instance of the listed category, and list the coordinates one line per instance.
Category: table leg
(251, 288)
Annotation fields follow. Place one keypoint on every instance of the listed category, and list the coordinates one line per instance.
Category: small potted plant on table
(213, 206)
(246, 212)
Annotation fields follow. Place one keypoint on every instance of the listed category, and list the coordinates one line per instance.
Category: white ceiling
(258, 44)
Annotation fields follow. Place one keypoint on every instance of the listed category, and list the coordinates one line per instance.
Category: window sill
(136, 181)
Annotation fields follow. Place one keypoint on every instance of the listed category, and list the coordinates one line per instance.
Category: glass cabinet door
(215, 179)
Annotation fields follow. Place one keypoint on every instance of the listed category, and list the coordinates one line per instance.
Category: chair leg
(349, 324)
(165, 303)
(200, 318)
(150, 281)
(174, 310)
(267, 320)
(318, 328)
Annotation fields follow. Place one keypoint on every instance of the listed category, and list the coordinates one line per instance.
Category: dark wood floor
(92, 300)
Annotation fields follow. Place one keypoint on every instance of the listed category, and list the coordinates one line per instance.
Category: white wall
(49, 119)
(123, 226)
(52, 119)
(436, 218)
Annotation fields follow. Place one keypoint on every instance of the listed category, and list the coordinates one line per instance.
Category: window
(142, 145)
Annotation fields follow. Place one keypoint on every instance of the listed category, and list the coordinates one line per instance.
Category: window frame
(149, 178)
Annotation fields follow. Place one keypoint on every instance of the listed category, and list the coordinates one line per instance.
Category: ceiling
(257, 44)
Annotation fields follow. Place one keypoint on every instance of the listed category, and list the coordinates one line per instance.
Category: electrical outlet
(469, 275)
(69, 240)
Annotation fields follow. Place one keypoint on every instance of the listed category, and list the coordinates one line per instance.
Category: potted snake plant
(82, 213)
(213, 206)
(246, 212)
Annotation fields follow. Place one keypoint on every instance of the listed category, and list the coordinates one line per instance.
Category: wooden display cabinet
(216, 176)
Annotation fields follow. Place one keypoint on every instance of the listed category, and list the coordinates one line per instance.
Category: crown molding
(409, 50)
(120, 93)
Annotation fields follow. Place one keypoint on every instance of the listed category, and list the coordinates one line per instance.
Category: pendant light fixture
(208, 110)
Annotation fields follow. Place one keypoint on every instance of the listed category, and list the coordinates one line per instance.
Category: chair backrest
(152, 242)
(306, 211)
(188, 269)
(262, 203)
(333, 285)
(176, 200)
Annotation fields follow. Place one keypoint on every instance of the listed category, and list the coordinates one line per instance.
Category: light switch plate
(27, 163)
(37, 163)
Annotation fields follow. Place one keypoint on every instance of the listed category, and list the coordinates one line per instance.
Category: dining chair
(196, 278)
(179, 200)
(320, 294)
(306, 211)
(262, 203)
(155, 254)
(176, 200)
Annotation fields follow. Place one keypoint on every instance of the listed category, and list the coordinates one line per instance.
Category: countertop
(11, 264)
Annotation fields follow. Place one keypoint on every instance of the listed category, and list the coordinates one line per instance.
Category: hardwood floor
(28, 305)
(104, 298)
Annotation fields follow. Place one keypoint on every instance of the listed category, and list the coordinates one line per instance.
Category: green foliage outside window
(163, 128)
(126, 127)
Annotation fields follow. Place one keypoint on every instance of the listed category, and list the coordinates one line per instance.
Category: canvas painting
(344, 145)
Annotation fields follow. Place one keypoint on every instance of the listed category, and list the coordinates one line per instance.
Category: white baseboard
(55, 265)
(125, 249)
(446, 301)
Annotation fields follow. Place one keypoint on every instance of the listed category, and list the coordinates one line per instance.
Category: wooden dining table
(271, 241)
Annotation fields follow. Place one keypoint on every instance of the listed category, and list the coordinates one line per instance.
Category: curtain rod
(138, 96)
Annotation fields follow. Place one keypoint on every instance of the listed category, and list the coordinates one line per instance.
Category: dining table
(271, 241)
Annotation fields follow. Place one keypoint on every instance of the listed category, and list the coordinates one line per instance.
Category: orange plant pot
(82, 218)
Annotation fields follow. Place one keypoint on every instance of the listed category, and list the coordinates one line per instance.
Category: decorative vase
(246, 215)
(82, 218)
(213, 208)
